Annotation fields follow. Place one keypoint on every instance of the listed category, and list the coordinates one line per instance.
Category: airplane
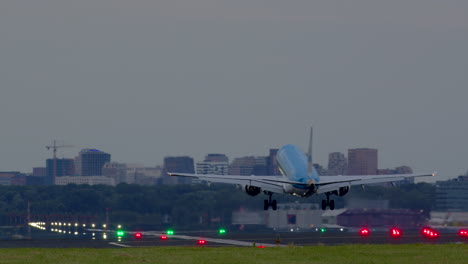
(299, 178)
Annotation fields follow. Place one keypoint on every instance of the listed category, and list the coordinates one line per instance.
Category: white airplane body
(299, 178)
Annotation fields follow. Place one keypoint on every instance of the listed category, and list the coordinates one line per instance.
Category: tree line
(188, 206)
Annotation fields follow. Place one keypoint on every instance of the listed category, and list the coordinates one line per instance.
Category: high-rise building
(272, 164)
(63, 167)
(39, 172)
(320, 169)
(140, 174)
(362, 161)
(6, 177)
(337, 164)
(397, 170)
(214, 164)
(403, 170)
(216, 158)
(116, 171)
(90, 180)
(182, 164)
(250, 165)
(91, 161)
(212, 167)
(261, 166)
(242, 166)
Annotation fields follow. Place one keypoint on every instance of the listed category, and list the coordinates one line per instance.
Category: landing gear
(269, 202)
(328, 202)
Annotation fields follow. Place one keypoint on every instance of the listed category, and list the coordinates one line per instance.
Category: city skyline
(231, 160)
(149, 79)
(338, 164)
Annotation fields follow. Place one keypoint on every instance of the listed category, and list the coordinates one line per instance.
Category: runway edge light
(429, 232)
(364, 232)
(120, 233)
(463, 233)
(395, 232)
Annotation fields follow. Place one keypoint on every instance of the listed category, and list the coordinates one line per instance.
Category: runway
(108, 239)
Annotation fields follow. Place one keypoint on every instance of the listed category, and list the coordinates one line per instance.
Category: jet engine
(343, 191)
(252, 190)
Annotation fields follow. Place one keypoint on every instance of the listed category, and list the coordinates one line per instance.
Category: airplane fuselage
(293, 164)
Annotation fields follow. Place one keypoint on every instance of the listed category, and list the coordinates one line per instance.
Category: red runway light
(163, 237)
(463, 233)
(395, 232)
(429, 232)
(138, 235)
(364, 232)
(261, 246)
(201, 242)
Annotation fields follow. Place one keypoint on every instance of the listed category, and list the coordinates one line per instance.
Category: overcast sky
(144, 79)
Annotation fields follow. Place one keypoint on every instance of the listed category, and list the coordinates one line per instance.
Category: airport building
(288, 216)
(294, 217)
(381, 218)
(362, 161)
(449, 218)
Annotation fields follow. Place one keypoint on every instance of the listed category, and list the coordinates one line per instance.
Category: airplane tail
(311, 172)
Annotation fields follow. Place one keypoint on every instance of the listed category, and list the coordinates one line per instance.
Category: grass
(362, 254)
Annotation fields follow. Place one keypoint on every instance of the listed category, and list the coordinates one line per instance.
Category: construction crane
(54, 147)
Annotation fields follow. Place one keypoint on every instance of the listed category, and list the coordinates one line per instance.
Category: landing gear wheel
(269, 202)
(274, 205)
(328, 202)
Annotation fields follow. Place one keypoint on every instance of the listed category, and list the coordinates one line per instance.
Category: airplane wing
(332, 183)
(326, 184)
(267, 183)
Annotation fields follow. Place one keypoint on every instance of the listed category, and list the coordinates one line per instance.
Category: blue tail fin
(311, 172)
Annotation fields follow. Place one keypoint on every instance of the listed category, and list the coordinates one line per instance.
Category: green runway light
(222, 231)
(120, 233)
(169, 232)
(322, 230)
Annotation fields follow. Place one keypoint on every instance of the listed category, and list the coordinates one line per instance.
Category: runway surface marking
(215, 240)
(119, 245)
